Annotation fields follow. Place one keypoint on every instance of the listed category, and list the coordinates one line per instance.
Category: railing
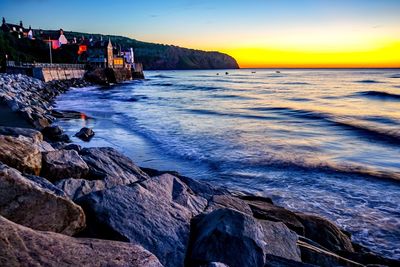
(44, 65)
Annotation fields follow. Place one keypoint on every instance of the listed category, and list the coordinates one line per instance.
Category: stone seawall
(51, 74)
(64, 205)
(48, 74)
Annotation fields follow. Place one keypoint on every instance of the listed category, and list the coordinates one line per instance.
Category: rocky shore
(64, 205)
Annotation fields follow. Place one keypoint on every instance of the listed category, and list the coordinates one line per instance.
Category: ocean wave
(379, 94)
(362, 128)
(291, 163)
(227, 96)
(395, 76)
(184, 87)
(122, 98)
(162, 76)
(226, 114)
(298, 99)
(368, 81)
(378, 134)
(163, 84)
(381, 119)
(296, 83)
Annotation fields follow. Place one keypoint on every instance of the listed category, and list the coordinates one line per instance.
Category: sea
(320, 141)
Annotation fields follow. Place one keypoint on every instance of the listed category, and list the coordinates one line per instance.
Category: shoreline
(88, 180)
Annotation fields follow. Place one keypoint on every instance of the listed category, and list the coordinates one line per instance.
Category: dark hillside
(153, 56)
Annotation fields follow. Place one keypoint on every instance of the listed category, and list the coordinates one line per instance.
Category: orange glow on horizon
(386, 56)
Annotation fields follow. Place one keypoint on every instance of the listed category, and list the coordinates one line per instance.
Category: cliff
(153, 56)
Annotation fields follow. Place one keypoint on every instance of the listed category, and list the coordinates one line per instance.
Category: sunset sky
(258, 33)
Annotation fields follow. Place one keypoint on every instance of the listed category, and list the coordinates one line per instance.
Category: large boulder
(62, 164)
(325, 233)
(264, 209)
(228, 201)
(55, 134)
(275, 261)
(76, 188)
(108, 163)
(199, 188)
(107, 168)
(27, 132)
(315, 254)
(155, 213)
(237, 239)
(20, 153)
(21, 246)
(176, 191)
(29, 135)
(37, 204)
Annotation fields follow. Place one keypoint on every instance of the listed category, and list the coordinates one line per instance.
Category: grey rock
(76, 188)
(46, 185)
(20, 153)
(36, 204)
(265, 210)
(275, 261)
(322, 257)
(325, 233)
(146, 213)
(217, 264)
(237, 239)
(55, 134)
(202, 188)
(44, 147)
(178, 191)
(85, 134)
(108, 168)
(106, 162)
(227, 201)
(35, 135)
(21, 246)
(62, 164)
(75, 147)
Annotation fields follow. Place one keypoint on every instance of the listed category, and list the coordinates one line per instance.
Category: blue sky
(215, 25)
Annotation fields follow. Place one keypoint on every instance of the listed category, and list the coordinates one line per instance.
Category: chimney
(20, 24)
(4, 21)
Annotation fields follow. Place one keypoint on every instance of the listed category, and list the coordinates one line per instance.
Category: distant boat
(277, 71)
(226, 73)
(217, 73)
(253, 72)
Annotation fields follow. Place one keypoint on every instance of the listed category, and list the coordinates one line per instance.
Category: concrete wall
(49, 73)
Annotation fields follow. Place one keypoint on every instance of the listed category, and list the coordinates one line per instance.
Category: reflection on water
(321, 141)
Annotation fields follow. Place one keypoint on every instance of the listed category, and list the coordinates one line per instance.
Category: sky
(257, 33)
